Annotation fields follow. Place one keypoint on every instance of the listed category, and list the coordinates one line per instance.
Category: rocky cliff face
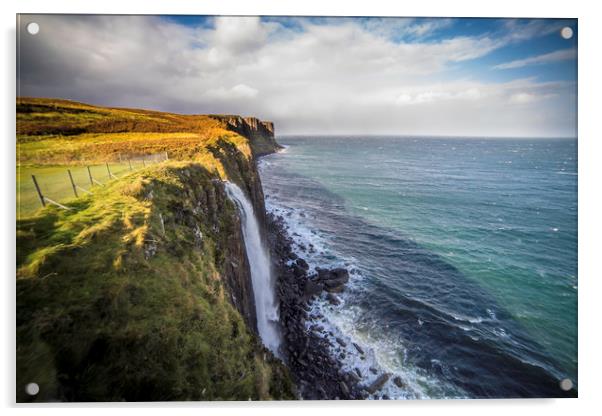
(260, 133)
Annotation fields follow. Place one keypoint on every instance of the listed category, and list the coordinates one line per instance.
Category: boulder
(344, 388)
(398, 382)
(302, 264)
(358, 348)
(378, 383)
(334, 280)
(312, 288)
(341, 342)
(333, 299)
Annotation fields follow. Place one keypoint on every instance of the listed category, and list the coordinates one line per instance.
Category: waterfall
(261, 276)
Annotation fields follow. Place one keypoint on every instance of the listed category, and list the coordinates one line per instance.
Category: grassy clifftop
(141, 290)
(51, 131)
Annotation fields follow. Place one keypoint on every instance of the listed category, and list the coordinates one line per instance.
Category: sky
(312, 75)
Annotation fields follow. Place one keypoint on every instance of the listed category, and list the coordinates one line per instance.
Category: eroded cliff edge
(142, 291)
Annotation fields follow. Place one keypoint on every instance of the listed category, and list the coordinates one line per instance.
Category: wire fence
(39, 186)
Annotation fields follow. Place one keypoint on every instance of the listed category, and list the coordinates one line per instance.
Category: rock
(334, 280)
(334, 300)
(378, 383)
(354, 377)
(358, 372)
(150, 249)
(373, 370)
(336, 289)
(358, 348)
(312, 288)
(293, 256)
(298, 271)
(302, 264)
(398, 382)
(344, 388)
(341, 342)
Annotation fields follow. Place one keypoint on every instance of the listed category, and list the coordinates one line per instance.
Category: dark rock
(341, 342)
(373, 370)
(358, 348)
(378, 383)
(298, 271)
(302, 264)
(333, 299)
(334, 280)
(398, 382)
(344, 388)
(312, 288)
(353, 376)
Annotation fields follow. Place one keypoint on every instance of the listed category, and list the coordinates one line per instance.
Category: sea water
(462, 253)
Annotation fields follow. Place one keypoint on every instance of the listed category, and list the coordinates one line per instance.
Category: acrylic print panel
(234, 208)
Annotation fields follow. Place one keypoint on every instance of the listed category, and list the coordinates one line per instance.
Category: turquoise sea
(463, 254)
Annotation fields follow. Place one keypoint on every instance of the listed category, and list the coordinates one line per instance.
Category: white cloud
(560, 55)
(341, 77)
(240, 91)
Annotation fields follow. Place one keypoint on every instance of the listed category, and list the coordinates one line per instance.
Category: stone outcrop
(260, 133)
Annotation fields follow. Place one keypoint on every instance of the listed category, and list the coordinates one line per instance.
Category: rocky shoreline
(306, 346)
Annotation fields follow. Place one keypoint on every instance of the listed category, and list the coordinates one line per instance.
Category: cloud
(560, 55)
(240, 91)
(308, 76)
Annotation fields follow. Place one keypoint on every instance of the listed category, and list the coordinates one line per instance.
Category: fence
(64, 182)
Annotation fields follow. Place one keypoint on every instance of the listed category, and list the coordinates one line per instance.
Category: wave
(411, 313)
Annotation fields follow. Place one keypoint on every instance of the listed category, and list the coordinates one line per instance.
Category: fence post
(166, 157)
(162, 224)
(72, 183)
(130, 162)
(109, 170)
(90, 176)
(143, 164)
(35, 182)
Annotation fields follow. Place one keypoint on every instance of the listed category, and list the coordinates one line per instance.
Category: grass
(55, 184)
(110, 307)
(56, 135)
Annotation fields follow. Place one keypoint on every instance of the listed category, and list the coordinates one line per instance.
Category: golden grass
(51, 132)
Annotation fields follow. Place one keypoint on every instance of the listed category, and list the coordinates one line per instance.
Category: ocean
(462, 254)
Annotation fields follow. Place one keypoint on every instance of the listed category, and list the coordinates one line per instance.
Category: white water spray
(266, 307)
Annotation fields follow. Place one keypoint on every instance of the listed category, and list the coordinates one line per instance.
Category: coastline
(308, 216)
(316, 373)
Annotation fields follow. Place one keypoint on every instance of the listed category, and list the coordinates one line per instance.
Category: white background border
(590, 72)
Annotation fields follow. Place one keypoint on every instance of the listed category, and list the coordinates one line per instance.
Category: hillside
(141, 291)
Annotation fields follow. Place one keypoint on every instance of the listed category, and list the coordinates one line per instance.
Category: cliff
(141, 291)
(260, 133)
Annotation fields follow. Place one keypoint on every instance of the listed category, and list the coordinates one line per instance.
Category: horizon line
(428, 136)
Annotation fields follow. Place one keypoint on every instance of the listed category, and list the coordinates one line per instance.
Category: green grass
(98, 318)
(55, 184)
(109, 307)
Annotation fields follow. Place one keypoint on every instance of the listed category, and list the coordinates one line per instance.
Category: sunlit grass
(55, 184)
(98, 317)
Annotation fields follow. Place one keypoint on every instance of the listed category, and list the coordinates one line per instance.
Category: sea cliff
(142, 289)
